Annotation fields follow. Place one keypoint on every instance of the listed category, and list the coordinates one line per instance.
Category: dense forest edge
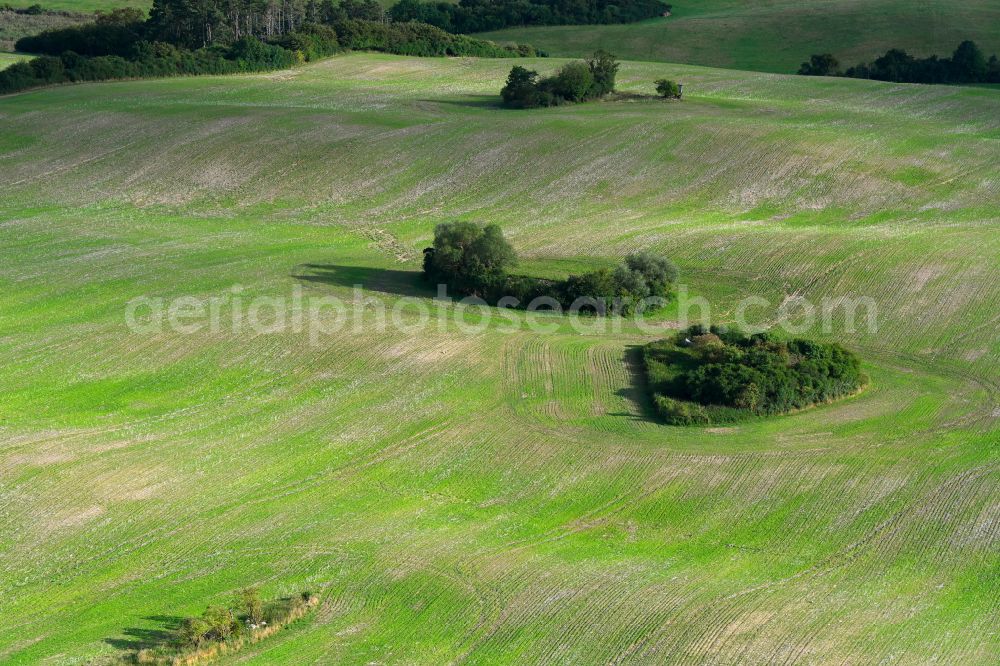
(485, 15)
(967, 64)
(123, 44)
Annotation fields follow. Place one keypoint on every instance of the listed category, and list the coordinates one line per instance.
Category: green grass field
(14, 26)
(777, 35)
(8, 59)
(82, 5)
(494, 497)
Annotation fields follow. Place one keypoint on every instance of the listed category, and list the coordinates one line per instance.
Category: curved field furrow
(494, 496)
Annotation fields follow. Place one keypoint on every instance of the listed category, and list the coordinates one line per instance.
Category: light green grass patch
(499, 496)
(778, 35)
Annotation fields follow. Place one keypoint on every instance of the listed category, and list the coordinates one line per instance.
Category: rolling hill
(777, 35)
(496, 497)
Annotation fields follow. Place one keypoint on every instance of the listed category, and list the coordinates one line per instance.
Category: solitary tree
(221, 622)
(604, 68)
(248, 600)
(968, 63)
(470, 258)
(193, 631)
(521, 89)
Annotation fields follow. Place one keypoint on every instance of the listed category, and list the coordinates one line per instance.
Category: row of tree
(720, 374)
(475, 260)
(967, 64)
(483, 15)
(573, 82)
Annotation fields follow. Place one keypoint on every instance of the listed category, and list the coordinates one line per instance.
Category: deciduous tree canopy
(720, 375)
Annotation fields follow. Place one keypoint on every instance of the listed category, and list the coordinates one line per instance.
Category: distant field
(495, 497)
(82, 5)
(8, 59)
(777, 35)
(14, 26)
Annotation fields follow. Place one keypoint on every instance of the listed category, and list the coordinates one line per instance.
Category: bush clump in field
(475, 260)
(222, 630)
(668, 89)
(574, 82)
(720, 375)
(968, 64)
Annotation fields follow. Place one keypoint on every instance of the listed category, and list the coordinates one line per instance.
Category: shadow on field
(386, 280)
(636, 392)
(471, 102)
(142, 638)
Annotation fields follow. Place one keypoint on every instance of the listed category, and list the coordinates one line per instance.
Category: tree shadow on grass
(385, 280)
(637, 392)
(141, 638)
(472, 102)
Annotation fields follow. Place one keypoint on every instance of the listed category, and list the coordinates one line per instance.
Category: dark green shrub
(668, 89)
(573, 82)
(604, 69)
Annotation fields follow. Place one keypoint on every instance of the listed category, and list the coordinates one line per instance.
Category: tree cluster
(719, 375)
(122, 44)
(968, 64)
(483, 15)
(474, 260)
(577, 81)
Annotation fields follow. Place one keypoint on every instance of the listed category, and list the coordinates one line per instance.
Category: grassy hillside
(495, 497)
(82, 5)
(7, 59)
(777, 35)
(14, 26)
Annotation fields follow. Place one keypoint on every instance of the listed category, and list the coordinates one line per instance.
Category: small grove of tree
(719, 375)
(668, 89)
(577, 81)
(968, 64)
(474, 260)
(468, 16)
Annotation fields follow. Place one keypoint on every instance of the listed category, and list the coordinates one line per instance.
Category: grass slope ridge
(778, 35)
(497, 497)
